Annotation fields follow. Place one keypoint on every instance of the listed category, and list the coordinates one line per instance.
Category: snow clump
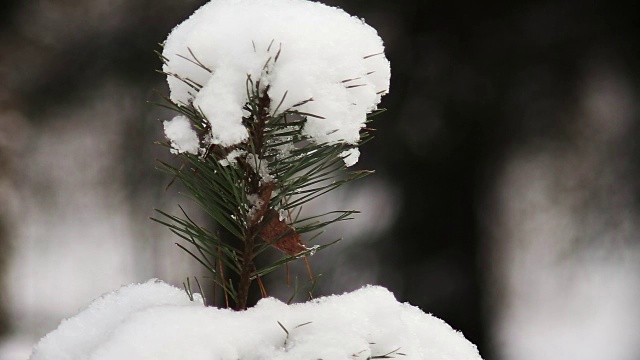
(350, 157)
(182, 136)
(155, 321)
(305, 52)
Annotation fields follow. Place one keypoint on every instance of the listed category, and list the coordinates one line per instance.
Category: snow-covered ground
(158, 322)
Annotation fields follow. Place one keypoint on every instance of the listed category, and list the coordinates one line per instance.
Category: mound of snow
(158, 322)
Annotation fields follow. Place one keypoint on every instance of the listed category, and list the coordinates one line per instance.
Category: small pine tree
(255, 190)
(252, 153)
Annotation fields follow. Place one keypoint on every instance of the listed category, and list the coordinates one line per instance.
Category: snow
(302, 50)
(232, 157)
(350, 156)
(255, 203)
(80, 335)
(157, 321)
(261, 167)
(182, 136)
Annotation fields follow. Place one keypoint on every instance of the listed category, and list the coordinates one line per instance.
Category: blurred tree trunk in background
(4, 238)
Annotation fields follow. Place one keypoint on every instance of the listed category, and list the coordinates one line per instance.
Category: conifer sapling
(265, 124)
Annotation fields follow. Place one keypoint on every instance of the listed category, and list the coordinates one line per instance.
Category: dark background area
(470, 82)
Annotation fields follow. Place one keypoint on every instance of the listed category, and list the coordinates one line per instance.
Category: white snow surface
(156, 321)
(182, 136)
(350, 156)
(322, 53)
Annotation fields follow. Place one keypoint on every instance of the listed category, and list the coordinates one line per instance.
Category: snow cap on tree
(311, 58)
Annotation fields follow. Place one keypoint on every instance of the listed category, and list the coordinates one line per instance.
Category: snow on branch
(312, 59)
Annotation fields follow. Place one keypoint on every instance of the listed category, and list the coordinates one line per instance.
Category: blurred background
(505, 199)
